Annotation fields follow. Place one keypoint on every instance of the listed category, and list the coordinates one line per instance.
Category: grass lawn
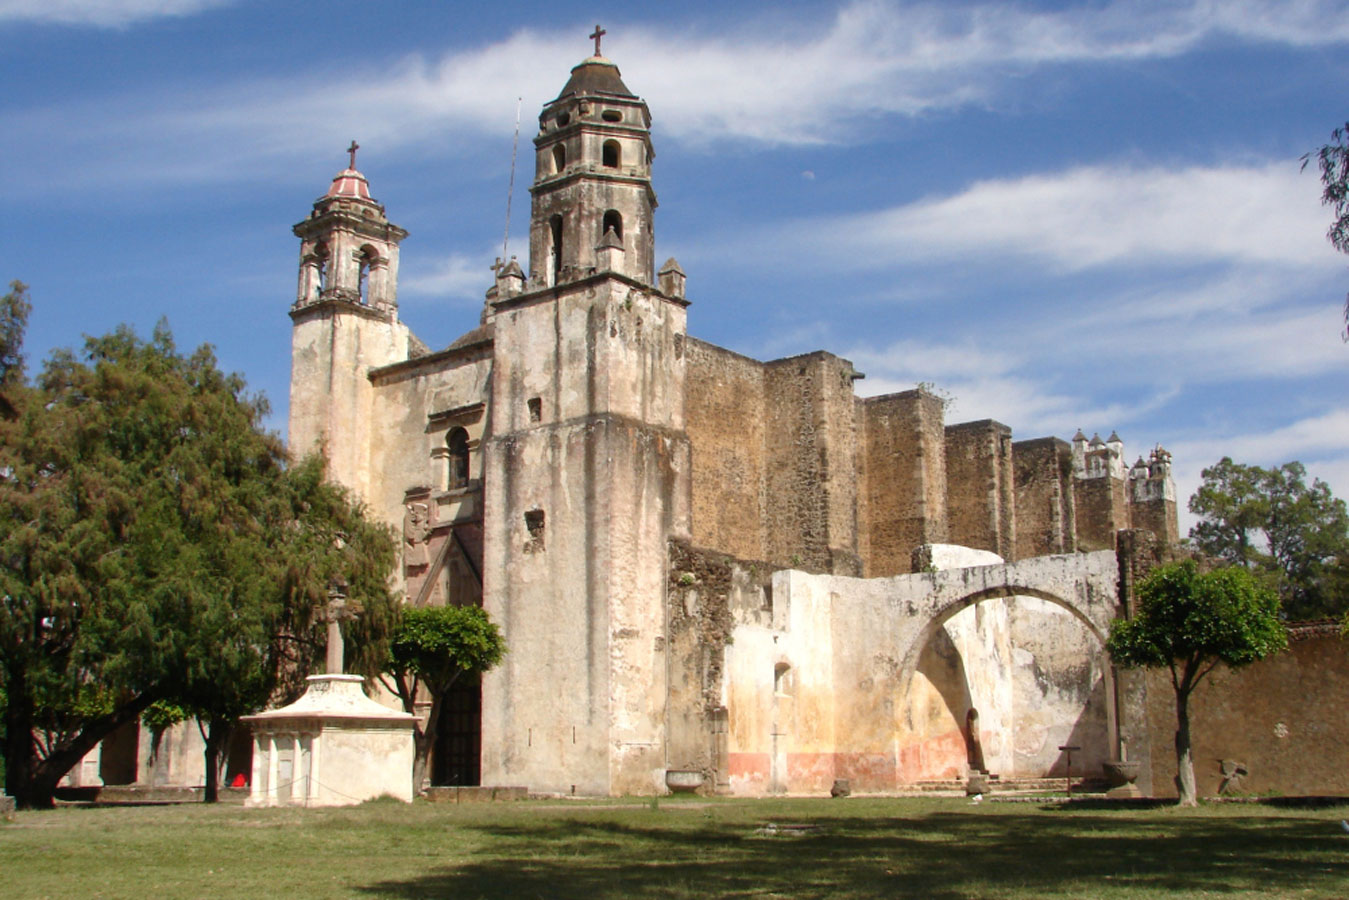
(931, 848)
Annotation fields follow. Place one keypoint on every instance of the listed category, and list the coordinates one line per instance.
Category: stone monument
(334, 746)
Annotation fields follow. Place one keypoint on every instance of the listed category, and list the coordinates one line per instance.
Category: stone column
(273, 770)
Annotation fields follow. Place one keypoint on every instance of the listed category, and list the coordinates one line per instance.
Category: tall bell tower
(587, 461)
(592, 194)
(345, 319)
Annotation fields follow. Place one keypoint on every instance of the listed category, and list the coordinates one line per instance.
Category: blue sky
(1062, 214)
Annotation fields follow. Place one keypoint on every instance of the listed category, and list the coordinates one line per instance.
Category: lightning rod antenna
(510, 189)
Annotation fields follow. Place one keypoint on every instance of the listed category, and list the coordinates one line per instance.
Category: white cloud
(766, 81)
(101, 13)
(1318, 441)
(456, 277)
(998, 383)
(1095, 216)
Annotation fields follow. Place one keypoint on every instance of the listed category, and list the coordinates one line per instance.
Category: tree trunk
(20, 754)
(426, 743)
(1184, 755)
(37, 790)
(217, 734)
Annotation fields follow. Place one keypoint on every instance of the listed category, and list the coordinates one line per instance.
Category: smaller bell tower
(345, 319)
(349, 248)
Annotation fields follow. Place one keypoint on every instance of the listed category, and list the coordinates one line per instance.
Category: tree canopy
(1270, 521)
(1333, 161)
(432, 648)
(1187, 622)
(154, 545)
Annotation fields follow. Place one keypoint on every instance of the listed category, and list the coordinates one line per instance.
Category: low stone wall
(1279, 724)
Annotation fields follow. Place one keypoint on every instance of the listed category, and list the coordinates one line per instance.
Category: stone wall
(1101, 511)
(725, 414)
(903, 491)
(1282, 719)
(979, 487)
(810, 464)
(1045, 519)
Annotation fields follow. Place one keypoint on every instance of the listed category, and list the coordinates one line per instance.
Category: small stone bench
(476, 794)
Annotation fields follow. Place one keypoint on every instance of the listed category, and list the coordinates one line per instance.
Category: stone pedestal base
(1124, 792)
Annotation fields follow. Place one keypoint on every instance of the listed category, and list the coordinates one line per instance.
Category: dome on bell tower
(595, 75)
(349, 183)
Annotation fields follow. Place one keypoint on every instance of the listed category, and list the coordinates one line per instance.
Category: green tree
(14, 310)
(1333, 161)
(155, 546)
(432, 648)
(1294, 536)
(1188, 622)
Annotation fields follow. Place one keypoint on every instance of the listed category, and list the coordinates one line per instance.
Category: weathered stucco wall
(332, 405)
(724, 406)
(1282, 719)
(589, 467)
(1058, 680)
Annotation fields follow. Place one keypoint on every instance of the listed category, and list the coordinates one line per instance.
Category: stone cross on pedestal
(595, 36)
(338, 608)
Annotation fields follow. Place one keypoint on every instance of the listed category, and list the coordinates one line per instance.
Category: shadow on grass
(940, 855)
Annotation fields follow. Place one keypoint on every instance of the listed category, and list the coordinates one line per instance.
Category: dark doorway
(117, 762)
(458, 755)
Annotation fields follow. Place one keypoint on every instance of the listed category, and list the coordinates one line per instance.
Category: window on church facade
(613, 155)
(559, 158)
(457, 441)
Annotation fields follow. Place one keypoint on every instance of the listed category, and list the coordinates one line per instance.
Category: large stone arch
(1093, 608)
(856, 642)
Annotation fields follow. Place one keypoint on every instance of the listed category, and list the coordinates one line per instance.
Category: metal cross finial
(596, 35)
(352, 150)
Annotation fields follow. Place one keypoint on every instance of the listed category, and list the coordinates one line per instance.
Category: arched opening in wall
(559, 158)
(321, 260)
(613, 220)
(998, 681)
(612, 155)
(457, 442)
(555, 251)
(366, 260)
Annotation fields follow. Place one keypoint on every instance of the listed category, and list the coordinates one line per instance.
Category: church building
(709, 570)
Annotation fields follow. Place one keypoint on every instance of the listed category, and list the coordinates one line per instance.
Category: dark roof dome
(596, 75)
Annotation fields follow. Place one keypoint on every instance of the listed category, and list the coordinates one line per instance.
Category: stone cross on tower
(596, 35)
(338, 608)
(352, 151)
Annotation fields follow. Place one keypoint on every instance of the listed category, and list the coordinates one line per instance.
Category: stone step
(997, 784)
